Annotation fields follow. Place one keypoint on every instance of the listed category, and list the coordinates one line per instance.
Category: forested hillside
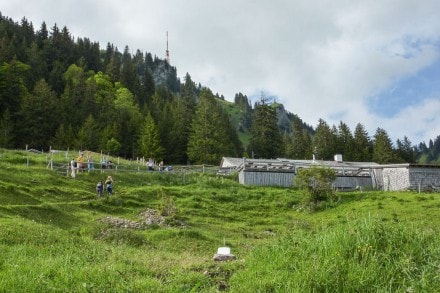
(61, 92)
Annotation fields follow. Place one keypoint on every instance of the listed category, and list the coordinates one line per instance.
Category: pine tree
(324, 141)
(300, 141)
(87, 135)
(266, 139)
(64, 137)
(363, 147)
(246, 109)
(129, 120)
(209, 138)
(383, 152)
(129, 76)
(6, 127)
(345, 142)
(405, 151)
(180, 119)
(40, 116)
(149, 141)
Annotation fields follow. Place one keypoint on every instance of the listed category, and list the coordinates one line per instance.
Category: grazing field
(158, 232)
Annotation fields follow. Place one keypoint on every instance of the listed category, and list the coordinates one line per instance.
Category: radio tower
(167, 52)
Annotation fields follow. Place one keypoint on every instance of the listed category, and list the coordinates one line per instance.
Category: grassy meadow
(57, 236)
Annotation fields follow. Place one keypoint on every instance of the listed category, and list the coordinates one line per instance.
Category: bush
(317, 181)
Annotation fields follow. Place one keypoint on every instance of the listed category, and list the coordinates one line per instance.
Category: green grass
(54, 236)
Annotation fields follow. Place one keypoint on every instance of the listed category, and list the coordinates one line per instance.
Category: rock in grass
(223, 257)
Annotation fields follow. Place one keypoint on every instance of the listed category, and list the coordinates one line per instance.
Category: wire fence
(60, 162)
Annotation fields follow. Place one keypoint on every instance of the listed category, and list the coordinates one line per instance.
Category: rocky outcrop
(147, 218)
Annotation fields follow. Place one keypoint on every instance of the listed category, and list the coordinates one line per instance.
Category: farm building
(350, 175)
(409, 177)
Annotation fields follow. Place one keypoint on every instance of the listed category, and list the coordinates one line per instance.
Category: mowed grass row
(53, 236)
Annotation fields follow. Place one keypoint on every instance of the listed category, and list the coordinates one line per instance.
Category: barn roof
(237, 163)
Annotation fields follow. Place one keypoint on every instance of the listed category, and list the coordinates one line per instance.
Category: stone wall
(395, 178)
(411, 178)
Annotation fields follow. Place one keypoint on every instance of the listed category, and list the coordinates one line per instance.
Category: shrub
(317, 181)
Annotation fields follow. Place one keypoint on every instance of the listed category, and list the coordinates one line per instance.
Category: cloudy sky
(370, 62)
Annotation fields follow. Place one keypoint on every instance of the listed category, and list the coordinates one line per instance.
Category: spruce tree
(383, 152)
(405, 150)
(209, 138)
(324, 141)
(149, 141)
(300, 142)
(266, 139)
(40, 116)
(345, 142)
(363, 146)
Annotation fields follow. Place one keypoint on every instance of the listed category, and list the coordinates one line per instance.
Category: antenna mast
(167, 52)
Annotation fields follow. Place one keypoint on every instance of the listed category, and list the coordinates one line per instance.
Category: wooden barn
(281, 172)
(350, 175)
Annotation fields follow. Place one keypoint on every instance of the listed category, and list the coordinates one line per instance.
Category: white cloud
(322, 59)
(421, 121)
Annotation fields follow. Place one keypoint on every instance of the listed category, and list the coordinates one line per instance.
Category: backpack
(74, 164)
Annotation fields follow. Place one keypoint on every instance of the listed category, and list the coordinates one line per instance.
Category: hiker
(72, 168)
(150, 165)
(90, 163)
(99, 188)
(161, 166)
(80, 165)
(103, 163)
(109, 185)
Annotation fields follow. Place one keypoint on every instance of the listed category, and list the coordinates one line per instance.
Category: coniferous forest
(59, 92)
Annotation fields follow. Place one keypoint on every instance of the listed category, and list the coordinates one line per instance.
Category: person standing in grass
(73, 168)
(109, 185)
(90, 163)
(99, 188)
(80, 164)
(150, 164)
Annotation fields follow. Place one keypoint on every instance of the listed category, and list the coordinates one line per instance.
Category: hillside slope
(159, 231)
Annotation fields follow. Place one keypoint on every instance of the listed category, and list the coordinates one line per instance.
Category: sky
(371, 62)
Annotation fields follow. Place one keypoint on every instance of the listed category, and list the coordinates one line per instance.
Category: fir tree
(383, 152)
(362, 145)
(324, 141)
(209, 138)
(149, 140)
(266, 139)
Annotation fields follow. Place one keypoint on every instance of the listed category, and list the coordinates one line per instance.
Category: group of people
(160, 166)
(80, 164)
(108, 186)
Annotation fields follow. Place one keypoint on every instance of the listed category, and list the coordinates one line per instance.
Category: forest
(59, 92)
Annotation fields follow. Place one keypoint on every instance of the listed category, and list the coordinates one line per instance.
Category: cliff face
(284, 122)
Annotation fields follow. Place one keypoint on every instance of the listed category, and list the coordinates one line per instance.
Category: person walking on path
(109, 185)
(99, 188)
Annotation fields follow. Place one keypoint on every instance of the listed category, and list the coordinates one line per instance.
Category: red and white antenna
(167, 52)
